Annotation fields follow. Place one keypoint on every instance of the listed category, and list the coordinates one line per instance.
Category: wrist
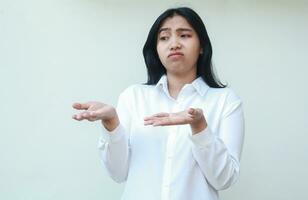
(198, 126)
(111, 124)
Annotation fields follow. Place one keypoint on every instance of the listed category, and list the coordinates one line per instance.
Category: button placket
(168, 162)
(177, 106)
(171, 142)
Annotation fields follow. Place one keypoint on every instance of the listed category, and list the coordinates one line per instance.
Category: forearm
(218, 154)
(114, 152)
(219, 167)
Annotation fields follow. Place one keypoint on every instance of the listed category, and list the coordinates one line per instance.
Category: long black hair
(154, 66)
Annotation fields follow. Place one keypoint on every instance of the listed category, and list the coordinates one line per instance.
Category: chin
(176, 72)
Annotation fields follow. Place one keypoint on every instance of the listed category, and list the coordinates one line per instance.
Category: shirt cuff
(114, 135)
(203, 138)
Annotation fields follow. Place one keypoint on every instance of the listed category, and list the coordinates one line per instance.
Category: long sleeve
(114, 146)
(218, 155)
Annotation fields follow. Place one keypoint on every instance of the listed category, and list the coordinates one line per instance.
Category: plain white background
(56, 52)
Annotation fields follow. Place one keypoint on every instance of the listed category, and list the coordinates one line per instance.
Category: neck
(176, 82)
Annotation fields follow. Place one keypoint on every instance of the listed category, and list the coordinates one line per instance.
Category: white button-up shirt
(168, 162)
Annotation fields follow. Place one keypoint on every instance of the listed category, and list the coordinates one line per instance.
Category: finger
(77, 117)
(93, 114)
(148, 123)
(74, 117)
(199, 110)
(90, 116)
(161, 122)
(148, 118)
(156, 115)
(152, 118)
(82, 116)
(156, 124)
(166, 121)
(195, 111)
(92, 119)
(198, 113)
(191, 111)
(162, 114)
(81, 106)
(86, 114)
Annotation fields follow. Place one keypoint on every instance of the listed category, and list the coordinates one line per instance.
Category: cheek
(195, 50)
(160, 52)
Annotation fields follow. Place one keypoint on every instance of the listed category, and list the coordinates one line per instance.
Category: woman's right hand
(94, 111)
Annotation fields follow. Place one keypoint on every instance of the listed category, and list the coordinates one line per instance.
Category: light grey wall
(56, 52)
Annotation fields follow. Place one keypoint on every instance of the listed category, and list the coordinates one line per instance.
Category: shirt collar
(198, 84)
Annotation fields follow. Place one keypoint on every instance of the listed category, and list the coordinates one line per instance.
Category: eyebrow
(177, 30)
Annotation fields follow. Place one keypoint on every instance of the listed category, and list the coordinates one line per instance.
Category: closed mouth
(175, 54)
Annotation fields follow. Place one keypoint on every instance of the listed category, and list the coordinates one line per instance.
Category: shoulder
(227, 100)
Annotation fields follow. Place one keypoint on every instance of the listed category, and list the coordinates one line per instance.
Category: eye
(185, 35)
(163, 38)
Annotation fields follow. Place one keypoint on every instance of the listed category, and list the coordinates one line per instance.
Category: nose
(175, 44)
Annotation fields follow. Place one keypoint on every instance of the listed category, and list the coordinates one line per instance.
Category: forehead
(175, 22)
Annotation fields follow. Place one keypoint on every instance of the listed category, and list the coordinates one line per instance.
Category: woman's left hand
(193, 116)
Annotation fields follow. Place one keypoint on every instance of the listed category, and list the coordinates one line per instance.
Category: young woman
(180, 135)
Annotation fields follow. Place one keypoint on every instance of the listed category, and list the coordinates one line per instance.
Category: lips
(175, 54)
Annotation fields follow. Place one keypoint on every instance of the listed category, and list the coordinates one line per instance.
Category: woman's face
(178, 46)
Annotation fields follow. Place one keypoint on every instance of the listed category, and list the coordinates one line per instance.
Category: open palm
(190, 116)
(94, 111)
